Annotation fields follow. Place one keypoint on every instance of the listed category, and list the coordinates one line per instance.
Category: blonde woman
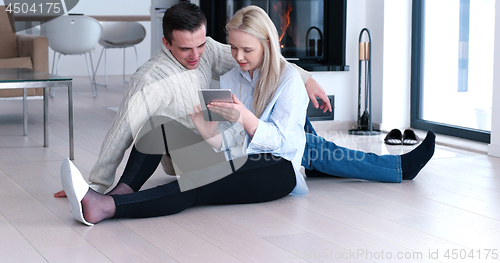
(267, 131)
(267, 102)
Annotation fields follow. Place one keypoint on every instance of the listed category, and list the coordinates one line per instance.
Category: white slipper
(75, 187)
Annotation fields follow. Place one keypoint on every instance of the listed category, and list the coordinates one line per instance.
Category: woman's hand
(236, 112)
(231, 111)
(207, 129)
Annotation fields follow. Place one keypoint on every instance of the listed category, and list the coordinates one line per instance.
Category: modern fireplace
(312, 32)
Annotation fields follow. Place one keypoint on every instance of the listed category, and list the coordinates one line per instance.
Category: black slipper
(394, 137)
(410, 138)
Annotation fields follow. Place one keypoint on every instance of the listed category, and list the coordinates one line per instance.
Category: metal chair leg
(136, 57)
(124, 81)
(104, 50)
(105, 67)
(93, 75)
(52, 91)
(92, 86)
(53, 62)
(136, 60)
(58, 60)
(51, 94)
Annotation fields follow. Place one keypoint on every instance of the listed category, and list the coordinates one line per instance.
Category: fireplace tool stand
(365, 125)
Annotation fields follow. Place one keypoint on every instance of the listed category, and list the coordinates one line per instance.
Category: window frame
(417, 63)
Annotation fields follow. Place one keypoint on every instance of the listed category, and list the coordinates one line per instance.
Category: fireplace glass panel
(300, 24)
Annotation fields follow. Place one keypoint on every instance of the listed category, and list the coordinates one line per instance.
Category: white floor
(449, 213)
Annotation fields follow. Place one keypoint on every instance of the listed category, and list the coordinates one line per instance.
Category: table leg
(25, 112)
(45, 117)
(70, 113)
(29, 25)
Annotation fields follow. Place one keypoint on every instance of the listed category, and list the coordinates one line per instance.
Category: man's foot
(97, 207)
(87, 206)
(414, 161)
(75, 188)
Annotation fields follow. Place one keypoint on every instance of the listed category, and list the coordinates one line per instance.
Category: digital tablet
(212, 95)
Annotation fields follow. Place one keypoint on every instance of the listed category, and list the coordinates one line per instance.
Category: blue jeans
(327, 158)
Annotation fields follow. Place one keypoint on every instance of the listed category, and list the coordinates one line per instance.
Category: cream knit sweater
(161, 86)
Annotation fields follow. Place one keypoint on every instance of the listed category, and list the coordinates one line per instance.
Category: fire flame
(284, 14)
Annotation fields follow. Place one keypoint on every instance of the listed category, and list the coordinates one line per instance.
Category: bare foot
(97, 207)
(121, 189)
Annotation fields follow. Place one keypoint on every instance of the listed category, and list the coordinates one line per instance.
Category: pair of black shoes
(395, 137)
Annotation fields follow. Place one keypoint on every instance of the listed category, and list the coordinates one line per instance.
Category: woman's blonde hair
(254, 21)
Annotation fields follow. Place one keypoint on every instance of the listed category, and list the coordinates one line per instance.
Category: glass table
(23, 78)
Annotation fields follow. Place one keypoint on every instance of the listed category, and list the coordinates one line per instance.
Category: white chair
(119, 35)
(73, 35)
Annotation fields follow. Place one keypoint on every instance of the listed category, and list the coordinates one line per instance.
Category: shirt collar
(246, 75)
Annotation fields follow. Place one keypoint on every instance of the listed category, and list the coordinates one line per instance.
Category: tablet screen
(209, 95)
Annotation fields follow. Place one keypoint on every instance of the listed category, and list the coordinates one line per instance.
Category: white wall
(375, 23)
(389, 24)
(344, 84)
(494, 147)
(396, 64)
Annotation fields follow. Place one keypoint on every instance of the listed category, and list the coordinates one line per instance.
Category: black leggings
(262, 178)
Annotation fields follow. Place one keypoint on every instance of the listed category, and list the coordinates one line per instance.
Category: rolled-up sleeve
(232, 134)
(272, 132)
(267, 138)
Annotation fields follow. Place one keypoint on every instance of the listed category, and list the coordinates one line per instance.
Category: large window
(452, 66)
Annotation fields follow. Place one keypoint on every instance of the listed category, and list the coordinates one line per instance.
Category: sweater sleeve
(304, 74)
(222, 59)
(136, 107)
(117, 141)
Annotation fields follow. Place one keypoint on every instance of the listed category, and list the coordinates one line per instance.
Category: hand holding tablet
(211, 95)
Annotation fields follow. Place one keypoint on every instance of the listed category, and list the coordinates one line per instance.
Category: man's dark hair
(184, 16)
